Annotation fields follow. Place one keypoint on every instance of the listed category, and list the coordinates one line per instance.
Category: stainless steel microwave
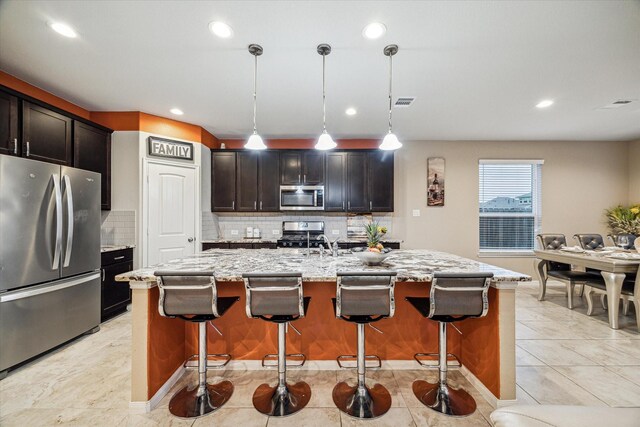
(301, 197)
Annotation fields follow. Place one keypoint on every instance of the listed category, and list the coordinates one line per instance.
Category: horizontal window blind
(509, 205)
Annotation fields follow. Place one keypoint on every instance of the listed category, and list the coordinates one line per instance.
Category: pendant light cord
(390, 88)
(324, 108)
(255, 90)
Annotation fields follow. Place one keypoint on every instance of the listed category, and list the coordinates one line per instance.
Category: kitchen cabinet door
(92, 151)
(335, 182)
(290, 168)
(268, 181)
(380, 165)
(223, 181)
(9, 142)
(247, 181)
(357, 185)
(313, 168)
(46, 135)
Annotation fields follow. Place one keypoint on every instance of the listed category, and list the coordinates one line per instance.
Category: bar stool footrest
(345, 357)
(192, 361)
(271, 360)
(436, 357)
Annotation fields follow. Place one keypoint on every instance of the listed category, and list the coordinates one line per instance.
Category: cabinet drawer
(112, 257)
(240, 245)
(264, 246)
(207, 246)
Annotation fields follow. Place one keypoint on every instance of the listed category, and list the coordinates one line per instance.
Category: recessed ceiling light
(63, 29)
(545, 103)
(374, 30)
(176, 111)
(351, 111)
(220, 29)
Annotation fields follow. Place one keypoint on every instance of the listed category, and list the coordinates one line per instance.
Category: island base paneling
(324, 337)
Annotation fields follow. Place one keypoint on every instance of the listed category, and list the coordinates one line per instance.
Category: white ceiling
(476, 68)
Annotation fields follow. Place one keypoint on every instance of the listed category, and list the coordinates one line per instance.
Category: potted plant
(624, 219)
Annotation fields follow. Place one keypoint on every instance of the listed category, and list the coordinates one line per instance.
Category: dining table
(614, 266)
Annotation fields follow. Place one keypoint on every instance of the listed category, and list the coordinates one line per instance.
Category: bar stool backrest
(590, 241)
(613, 238)
(366, 293)
(553, 242)
(274, 294)
(459, 294)
(186, 293)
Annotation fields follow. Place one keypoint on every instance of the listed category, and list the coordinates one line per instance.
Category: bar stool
(278, 298)
(453, 297)
(193, 296)
(363, 298)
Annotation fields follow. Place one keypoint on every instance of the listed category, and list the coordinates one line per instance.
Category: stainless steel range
(301, 234)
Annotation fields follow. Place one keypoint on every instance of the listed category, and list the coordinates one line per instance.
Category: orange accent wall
(35, 92)
(305, 143)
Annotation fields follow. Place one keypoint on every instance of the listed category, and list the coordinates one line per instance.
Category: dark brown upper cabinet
(301, 168)
(92, 151)
(313, 168)
(247, 181)
(223, 181)
(268, 182)
(380, 170)
(9, 139)
(357, 185)
(335, 181)
(46, 135)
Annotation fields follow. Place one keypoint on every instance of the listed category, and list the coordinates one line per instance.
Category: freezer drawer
(38, 318)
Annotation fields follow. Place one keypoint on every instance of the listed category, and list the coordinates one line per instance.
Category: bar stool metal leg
(283, 399)
(193, 402)
(361, 401)
(440, 397)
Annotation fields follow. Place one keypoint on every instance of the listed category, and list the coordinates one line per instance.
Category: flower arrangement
(624, 219)
(374, 234)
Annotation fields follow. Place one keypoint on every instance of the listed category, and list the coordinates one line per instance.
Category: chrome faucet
(333, 246)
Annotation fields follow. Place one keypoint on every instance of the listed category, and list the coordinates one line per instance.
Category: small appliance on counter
(296, 234)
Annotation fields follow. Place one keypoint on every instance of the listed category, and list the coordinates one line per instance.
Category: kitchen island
(486, 346)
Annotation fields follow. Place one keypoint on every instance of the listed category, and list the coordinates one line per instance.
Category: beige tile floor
(566, 357)
(563, 357)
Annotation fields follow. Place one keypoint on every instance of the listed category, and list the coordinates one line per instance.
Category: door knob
(190, 239)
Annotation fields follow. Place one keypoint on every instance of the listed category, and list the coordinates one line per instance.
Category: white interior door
(171, 213)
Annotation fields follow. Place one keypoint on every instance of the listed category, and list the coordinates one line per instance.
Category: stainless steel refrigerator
(49, 257)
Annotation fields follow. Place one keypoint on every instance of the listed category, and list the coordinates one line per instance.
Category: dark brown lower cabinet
(115, 296)
(239, 245)
(350, 245)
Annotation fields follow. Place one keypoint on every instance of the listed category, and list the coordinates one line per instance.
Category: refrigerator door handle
(70, 216)
(58, 247)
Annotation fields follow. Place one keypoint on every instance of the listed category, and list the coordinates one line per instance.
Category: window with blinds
(509, 206)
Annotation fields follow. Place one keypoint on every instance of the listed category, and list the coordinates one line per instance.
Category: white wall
(579, 180)
(634, 172)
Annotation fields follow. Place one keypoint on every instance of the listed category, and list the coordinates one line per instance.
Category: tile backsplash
(118, 228)
(224, 225)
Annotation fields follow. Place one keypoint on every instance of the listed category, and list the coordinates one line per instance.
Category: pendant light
(390, 141)
(255, 141)
(325, 142)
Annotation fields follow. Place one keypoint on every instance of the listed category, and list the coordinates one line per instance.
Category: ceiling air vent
(617, 104)
(404, 101)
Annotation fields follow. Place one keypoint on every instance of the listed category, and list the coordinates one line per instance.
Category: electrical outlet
(234, 232)
(275, 232)
(335, 232)
(416, 212)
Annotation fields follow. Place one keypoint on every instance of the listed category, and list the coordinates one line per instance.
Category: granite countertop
(111, 248)
(241, 240)
(411, 265)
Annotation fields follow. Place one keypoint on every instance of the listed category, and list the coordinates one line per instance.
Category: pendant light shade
(325, 142)
(390, 141)
(255, 142)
